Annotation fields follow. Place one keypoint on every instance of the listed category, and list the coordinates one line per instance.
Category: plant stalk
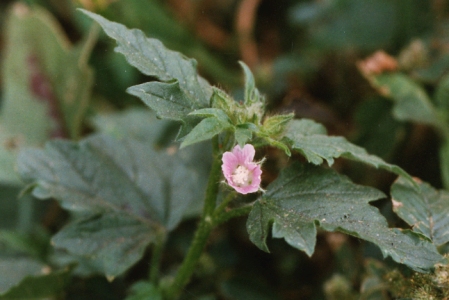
(203, 231)
(156, 256)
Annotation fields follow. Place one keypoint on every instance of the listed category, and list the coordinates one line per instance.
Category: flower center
(242, 176)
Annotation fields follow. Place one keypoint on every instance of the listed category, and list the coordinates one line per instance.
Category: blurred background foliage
(60, 78)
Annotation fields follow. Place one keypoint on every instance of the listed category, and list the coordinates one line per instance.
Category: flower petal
(244, 155)
(230, 163)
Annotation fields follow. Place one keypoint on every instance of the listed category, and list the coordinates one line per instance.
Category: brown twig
(245, 23)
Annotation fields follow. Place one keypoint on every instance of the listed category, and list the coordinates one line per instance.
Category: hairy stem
(203, 231)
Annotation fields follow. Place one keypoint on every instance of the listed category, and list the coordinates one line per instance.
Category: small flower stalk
(240, 171)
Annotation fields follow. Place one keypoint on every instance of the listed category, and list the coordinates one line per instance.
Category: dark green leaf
(119, 240)
(137, 123)
(166, 99)
(424, 208)
(27, 279)
(180, 89)
(309, 138)
(125, 182)
(101, 174)
(157, 20)
(303, 197)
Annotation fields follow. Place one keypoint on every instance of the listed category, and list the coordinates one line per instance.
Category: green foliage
(411, 101)
(30, 279)
(424, 208)
(303, 198)
(310, 139)
(46, 84)
(178, 91)
(57, 78)
(127, 180)
(153, 193)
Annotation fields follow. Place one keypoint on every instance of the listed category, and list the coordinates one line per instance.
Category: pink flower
(240, 171)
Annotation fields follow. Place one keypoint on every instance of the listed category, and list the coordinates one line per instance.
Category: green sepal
(252, 94)
(275, 126)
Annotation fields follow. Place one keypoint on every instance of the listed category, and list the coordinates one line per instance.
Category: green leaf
(205, 130)
(303, 197)
(166, 99)
(424, 208)
(411, 101)
(137, 123)
(178, 91)
(309, 138)
(102, 174)
(109, 177)
(24, 278)
(212, 112)
(252, 94)
(158, 21)
(47, 81)
(144, 290)
(141, 124)
(306, 127)
(118, 239)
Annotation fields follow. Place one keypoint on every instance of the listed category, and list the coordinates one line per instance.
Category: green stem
(234, 213)
(156, 258)
(202, 233)
(231, 196)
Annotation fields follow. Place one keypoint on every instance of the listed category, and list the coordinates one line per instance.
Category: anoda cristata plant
(129, 196)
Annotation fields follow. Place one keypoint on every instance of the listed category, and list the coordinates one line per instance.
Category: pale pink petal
(244, 155)
(248, 152)
(231, 164)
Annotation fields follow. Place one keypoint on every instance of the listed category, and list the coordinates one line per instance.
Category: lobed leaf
(123, 181)
(304, 197)
(310, 139)
(119, 240)
(178, 91)
(424, 208)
